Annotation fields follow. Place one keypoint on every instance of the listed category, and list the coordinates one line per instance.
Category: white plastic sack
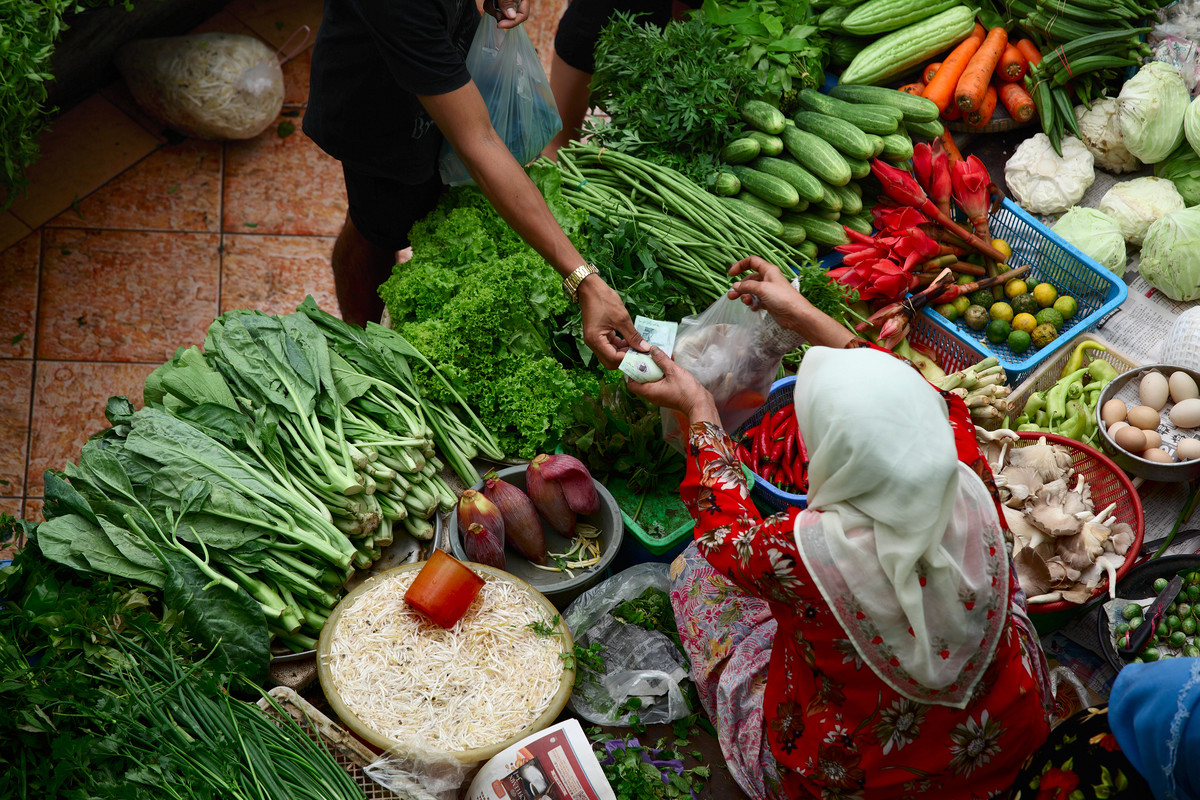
(505, 68)
(207, 85)
(626, 662)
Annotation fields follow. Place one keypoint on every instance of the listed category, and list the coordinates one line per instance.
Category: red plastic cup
(444, 589)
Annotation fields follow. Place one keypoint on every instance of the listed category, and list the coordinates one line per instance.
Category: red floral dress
(834, 728)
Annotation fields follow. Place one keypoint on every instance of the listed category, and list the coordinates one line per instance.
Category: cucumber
(868, 118)
(897, 147)
(826, 213)
(859, 167)
(808, 250)
(762, 205)
(816, 155)
(831, 20)
(825, 232)
(754, 215)
(768, 145)
(914, 108)
(843, 135)
(830, 199)
(924, 130)
(807, 184)
(740, 151)
(851, 202)
(876, 144)
(856, 188)
(793, 234)
(763, 116)
(860, 223)
(775, 191)
(726, 184)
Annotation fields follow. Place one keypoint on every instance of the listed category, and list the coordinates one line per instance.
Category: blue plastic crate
(1097, 291)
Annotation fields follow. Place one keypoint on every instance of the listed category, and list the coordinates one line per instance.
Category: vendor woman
(876, 644)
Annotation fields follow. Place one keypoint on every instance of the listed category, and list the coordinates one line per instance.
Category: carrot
(930, 71)
(913, 88)
(973, 83)
(952, 113)
(952, 151)
(1016, 101)
(1012, 65)
(941, 89)
(983, 115)
(1030, 51)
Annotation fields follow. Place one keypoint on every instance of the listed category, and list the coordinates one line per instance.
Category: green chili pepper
(1076, 359)
(1036, 403)
(1101, 371)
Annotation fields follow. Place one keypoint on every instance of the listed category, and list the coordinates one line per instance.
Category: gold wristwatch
(572, 281)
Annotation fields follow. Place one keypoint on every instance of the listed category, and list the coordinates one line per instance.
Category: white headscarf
(907, 551)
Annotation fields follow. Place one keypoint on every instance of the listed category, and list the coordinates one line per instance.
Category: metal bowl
(1125, 387)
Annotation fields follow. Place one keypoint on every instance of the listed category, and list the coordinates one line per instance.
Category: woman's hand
(763, 285)
(677, 390)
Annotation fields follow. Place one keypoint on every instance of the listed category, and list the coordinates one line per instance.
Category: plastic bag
(208, 85)
(735, 353)
(507, 72)
(648, 667)
(425, 776)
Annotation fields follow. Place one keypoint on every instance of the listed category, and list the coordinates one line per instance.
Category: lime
(1044, 335)
(1001, 311)
(976, 317)
(1066, 306)
(961, 304)
(1014, 287)
(1024, 322)
(1024, 304)
(997, 331)
(982, 297)
(1003, 247)
(961, 279)
(1048, 316)
(1019, 341)
(1045, 294)
(948, 311)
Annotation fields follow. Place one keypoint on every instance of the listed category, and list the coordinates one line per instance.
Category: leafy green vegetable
(671, 93)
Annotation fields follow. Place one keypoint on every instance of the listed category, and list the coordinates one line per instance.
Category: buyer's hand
(678, 390)
(607, 328)
(508, 13)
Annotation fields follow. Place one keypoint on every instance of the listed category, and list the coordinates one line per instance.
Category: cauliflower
(1102, 137)
(1045, 183)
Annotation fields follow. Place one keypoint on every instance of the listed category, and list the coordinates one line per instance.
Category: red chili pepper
(764, 435)
(777, 449)
(743, 454)
(789, 449)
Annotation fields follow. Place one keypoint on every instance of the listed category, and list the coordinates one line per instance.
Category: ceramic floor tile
(68, 407)
(275, 273)
(19, 277)
(12, 230)
(80, 152)
(125, 295)
(176, 188)
(295, 79)
(16, 383)
(277, 21)
(119, 95)
(282, 185)
(223, 22)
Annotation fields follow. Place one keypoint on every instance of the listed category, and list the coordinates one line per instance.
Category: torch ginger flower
(973, 192)
(932, 166)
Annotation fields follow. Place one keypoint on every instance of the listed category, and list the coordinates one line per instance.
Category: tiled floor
(127, 245)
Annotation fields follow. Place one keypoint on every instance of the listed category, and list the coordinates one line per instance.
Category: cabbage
(1171, 255)
(1134, 204)
(1096, 235)
(1150, 111)
(1102, 136)
(1182, 168)
(1191, 124)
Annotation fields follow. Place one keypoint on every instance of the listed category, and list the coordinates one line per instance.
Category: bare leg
(359, 267)
(570, 88)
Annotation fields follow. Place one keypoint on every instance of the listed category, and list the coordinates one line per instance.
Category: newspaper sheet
(556, 763)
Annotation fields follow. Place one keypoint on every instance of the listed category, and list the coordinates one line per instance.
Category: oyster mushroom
(1051, 518)
(1032, 573)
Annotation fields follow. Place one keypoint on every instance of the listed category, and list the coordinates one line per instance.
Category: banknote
(658, 333)
(640, 367)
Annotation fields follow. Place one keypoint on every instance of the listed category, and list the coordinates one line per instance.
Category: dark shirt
(371, 60)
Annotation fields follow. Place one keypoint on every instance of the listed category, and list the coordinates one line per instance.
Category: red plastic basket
(1108, 484)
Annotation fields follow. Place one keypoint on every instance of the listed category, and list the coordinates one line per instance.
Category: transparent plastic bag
(506, 70)
(735, 352)
(420, 776)
(207, 85)
(648, 667)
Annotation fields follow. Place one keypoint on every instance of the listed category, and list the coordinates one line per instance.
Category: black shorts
(384, 209)
(580, 26)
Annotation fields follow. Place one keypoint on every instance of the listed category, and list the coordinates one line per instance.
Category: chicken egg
(1145, 417)
(1153, 390)
(1161, 456)
(1153, 439)
(1186, 413)
(1187, 449)
(1182, 386)
(1112, 411)
(1130, 439)
(1116, 426)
